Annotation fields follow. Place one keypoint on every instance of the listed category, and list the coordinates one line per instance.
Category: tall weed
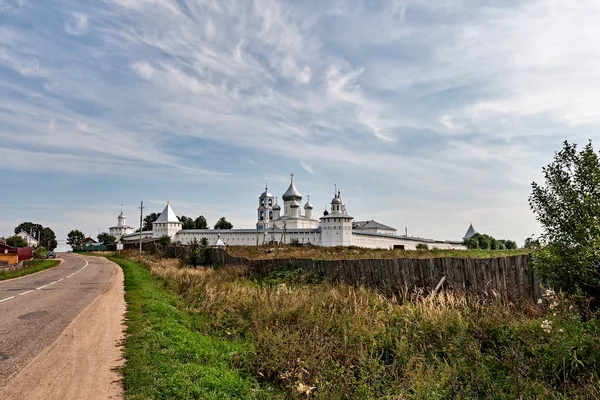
(335, 341)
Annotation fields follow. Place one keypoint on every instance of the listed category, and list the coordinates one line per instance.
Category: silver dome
(292, 193)
(295, 204)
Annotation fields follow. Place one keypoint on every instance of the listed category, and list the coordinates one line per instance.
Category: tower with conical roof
(167, 223)
(470, 232)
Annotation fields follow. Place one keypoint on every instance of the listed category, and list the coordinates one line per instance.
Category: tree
(422, 246)
(485, 242)
(222, 223)
(201, 222)
(48, 239)
(531, 243)
(194, 253)
(164, 240)
(568, 208)
(75, 237)
(510, 245)
(46, 236)
(204, 242)
(148, 220)
(187, 222)
(16, 241)
(35, 230)
(106, 239)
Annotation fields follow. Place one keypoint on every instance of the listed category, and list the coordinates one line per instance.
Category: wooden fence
(509, 277)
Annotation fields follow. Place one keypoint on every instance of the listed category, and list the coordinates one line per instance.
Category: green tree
(164, 240)
(531, 243)
(46, 236)
(16, 241)
(187, 222)
(35, 230)
(148, 220)
(201, 222)
(75, 237)
(204, 242)
(193, 258)
(422, 246)
(48, 239)
(222, 223)
(510, 245)
(568, 208)
(106, 239)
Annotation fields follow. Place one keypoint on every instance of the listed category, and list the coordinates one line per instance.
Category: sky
(429, 115)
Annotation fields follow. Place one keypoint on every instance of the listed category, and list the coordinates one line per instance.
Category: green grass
(167, 358)
(31, 267)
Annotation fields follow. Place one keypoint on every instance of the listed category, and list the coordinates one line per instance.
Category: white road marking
(8, 298)
(51, 283)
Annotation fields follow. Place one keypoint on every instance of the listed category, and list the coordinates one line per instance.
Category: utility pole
(141, 222)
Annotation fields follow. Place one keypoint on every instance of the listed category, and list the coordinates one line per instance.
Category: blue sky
(428, 114)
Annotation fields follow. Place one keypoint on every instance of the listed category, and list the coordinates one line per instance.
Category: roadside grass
(316, 339)
(167, 357)
(341, 252)
(31, 267)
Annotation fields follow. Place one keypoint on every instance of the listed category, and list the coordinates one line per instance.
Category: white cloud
(77, 25)
(307, 167)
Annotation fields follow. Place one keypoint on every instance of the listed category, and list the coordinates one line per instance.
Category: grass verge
(31, 267)
(167, 358)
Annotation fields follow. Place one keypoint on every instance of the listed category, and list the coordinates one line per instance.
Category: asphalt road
(35, 309)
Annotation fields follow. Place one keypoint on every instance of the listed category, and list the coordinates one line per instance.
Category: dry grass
(341, 253)
(335, 341)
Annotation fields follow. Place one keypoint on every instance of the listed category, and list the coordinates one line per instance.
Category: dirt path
(81, 363)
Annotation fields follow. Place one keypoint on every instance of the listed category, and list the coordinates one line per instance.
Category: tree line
(45, 236)
(187, 222)
(487, 242)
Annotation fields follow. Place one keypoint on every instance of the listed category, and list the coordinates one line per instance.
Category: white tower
(121, 228)
(308, 208)
(265, 209)
(167, 224)
(336, 227)
(291, 195)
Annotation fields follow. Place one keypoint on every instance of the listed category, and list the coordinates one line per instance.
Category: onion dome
(336, 200)
(308, 206)
(292, 193)
(121, 216)
(295, 204)
(276, 207)
(325, 212)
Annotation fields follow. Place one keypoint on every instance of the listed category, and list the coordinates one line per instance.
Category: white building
(334, 228)
(122, 228)
(31, 241)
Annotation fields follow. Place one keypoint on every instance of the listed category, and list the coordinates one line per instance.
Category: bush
(422, 246)
(567, 208)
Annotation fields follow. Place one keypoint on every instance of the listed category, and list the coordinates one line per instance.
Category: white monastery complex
(297, 223)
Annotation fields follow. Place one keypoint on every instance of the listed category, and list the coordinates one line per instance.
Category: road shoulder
(83, 362)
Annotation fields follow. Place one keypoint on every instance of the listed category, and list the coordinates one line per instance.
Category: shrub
(422, 246)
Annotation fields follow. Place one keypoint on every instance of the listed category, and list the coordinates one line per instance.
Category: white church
(333, 228)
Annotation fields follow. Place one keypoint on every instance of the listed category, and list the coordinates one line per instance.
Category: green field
(215, 333)
(31, 267)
